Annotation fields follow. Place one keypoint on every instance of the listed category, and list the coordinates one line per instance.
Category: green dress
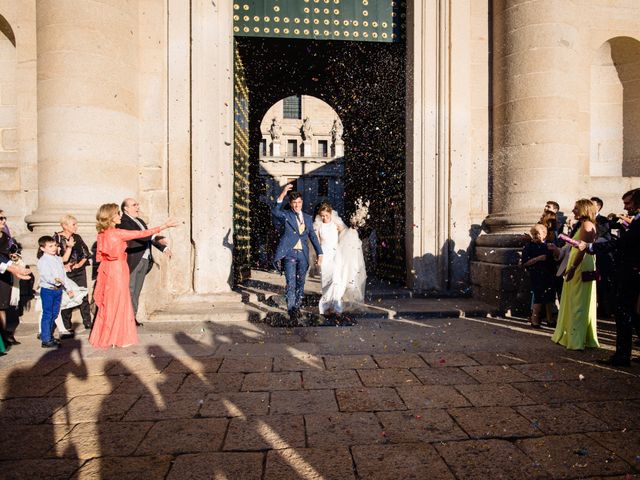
(576, 328)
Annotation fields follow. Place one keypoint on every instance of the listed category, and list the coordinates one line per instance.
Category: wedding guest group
(599, 265)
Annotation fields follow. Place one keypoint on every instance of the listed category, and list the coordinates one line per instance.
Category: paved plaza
(442, 398)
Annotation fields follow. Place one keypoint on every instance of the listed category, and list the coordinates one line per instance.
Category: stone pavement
(466, 398)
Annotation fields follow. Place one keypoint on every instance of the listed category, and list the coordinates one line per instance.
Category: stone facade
(509, 103)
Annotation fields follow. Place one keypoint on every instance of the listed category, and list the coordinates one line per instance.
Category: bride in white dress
(343, 274)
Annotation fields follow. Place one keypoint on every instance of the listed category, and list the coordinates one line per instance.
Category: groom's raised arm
(277, 212)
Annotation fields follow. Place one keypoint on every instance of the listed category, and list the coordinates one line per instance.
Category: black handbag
(593, 276)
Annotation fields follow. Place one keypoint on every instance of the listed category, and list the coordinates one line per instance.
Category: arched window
(615, 109)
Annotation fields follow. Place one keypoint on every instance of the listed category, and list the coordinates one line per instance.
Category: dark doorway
(365, 84)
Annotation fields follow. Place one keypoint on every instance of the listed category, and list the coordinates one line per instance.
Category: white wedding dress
(343, 273)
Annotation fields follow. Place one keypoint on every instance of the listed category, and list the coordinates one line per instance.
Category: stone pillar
(339, 149)
(212, 144)
(535, 134)
(427, 181)
(535, 110)
(87, 108)
(275, 148)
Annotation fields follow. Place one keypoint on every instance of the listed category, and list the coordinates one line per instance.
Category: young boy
(52, 281)
(538, 260)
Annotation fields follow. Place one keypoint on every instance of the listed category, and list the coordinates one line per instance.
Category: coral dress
(115, 323)
(576, 328)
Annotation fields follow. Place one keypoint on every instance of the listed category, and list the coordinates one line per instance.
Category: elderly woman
(576, 327)
(75, 256)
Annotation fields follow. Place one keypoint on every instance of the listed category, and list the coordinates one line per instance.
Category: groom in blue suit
(296, 227)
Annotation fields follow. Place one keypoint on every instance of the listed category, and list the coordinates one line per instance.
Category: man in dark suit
(296, 228)
(626, 251)
(139, 257)
(604, 263)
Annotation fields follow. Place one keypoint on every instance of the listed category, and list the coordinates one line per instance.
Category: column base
(512, 222)
(47, 220)
(496, 277)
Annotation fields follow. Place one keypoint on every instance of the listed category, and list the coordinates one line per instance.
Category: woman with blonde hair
(576, 327)
(115, 324)
(75, 255)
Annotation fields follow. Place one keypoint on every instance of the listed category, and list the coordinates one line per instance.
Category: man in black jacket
(139, 257)
(604, 263)
(626, 251)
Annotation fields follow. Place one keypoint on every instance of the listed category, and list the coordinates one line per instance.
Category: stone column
(535, 110)
(212, 144)
(427, 181)
(87, 108)
(535, 136)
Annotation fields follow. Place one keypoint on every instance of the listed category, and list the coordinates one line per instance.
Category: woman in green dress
(576, 327)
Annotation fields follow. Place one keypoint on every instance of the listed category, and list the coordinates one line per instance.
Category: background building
(314, 164)
(460, 117)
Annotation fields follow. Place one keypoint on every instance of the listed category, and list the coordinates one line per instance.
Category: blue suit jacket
(286, 222)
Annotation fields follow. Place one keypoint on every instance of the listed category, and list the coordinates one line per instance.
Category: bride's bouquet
(360, 216)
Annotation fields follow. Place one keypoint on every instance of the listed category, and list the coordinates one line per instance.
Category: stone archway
(615, 109)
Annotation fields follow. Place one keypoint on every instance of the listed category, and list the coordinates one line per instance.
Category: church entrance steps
(265, 290)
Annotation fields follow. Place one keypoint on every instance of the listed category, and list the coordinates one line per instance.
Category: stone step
(206, 311)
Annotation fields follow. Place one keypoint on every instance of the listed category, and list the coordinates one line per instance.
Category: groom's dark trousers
(295, 270)
(295, 260)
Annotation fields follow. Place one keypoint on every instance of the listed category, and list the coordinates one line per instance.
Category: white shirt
(51, 267)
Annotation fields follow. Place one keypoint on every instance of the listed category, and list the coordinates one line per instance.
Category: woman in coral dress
(115, 324)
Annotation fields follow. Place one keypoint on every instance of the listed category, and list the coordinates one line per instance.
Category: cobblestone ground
(393, 399)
